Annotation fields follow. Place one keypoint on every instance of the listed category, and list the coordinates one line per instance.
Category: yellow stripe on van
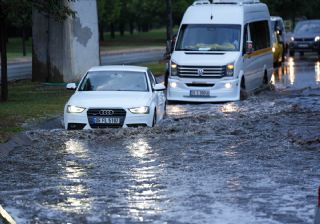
(258, 52)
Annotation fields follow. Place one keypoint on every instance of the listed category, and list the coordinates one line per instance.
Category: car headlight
(292, 38)
(75, 109)
(139, 110)
(174, 69)
(230, 69)
(317, 38)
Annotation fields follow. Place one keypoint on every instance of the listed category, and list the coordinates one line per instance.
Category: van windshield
(207, 37)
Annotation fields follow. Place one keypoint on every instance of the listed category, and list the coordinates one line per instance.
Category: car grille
(304, 39)
(106, 112)
(201, 71)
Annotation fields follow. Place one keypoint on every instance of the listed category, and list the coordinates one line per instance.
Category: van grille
(304, 39)
(202, 71)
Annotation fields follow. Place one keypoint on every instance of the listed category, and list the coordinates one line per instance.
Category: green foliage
(142, 14)
(292, 9)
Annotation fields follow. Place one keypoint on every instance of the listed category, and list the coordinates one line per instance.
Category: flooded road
(255, 161)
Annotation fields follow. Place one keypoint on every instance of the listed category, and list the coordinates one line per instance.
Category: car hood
(204, 58)
(110, 99)
(306, 35)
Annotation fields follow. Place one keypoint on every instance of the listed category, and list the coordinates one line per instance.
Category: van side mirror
(71, 86)
(249, 47)
(279, 31)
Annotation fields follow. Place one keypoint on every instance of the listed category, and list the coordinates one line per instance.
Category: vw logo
(106, 112)
(200, 71)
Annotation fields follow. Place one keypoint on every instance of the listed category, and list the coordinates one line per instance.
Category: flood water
(254, 161)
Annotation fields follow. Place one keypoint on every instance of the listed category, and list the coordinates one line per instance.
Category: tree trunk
(121, 28)
(131, 27)
(169, 20)
(24, 49)
(48, 77)
(112, 31)
(101, 32)
(3, 49)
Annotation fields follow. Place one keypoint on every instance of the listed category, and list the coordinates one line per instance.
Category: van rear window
(209, 37)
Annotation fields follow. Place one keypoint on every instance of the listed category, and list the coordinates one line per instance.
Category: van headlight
(317, 38)
(230, 69)
(139, 110)
(174, 69)
(75, 109)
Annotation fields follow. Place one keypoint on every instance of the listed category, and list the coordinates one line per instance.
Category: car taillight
(319, 197)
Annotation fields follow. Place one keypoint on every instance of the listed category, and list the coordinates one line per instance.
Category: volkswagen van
(223, 51)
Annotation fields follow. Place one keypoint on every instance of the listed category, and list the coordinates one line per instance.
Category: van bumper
(180, 90)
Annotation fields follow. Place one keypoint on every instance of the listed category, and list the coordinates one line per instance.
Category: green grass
(156, 68)
(153, 38)
(29, 101)
(14, 48)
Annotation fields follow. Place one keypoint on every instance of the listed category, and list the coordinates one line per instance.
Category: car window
(260, 35)
(307, 27)
(115, 81)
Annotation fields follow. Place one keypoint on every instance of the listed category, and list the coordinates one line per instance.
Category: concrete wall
(67, 48)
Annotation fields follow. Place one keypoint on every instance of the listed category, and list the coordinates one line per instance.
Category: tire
(291, 53)
(154, 120)
(243, 92)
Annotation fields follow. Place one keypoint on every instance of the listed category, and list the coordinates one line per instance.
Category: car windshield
(114, 81)
(206, 37)
(308, 27)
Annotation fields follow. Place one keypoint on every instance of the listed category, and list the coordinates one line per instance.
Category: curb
(5, 217)
(16, 141)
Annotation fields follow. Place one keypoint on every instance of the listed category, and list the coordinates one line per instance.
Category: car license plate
(200, 93)
(303, 45)
(106, 120)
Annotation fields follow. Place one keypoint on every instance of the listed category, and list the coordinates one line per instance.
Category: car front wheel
(154, 120)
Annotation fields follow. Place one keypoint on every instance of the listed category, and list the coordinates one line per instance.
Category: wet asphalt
(254, 161)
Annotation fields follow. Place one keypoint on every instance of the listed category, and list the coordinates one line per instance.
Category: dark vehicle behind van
(306, 37)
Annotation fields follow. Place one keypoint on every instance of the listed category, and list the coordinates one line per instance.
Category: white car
(115, 96)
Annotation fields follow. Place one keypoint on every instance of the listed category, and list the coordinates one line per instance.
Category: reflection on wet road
(298, 73)
(255, 161)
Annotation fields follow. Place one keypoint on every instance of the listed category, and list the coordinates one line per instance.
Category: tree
(169, 20)
(55, 8)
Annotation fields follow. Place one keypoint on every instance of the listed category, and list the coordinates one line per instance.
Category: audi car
(306, 37)
(115, 96)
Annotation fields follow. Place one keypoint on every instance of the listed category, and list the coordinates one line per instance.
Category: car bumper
(305, 46)
(218, 92)
(81, 121)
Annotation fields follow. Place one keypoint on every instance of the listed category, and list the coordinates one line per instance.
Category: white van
(223, 51)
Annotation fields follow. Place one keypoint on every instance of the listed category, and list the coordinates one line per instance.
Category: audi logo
(106, 112)
(200, 71)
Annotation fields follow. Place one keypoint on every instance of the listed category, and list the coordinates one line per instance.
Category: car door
(158, 96)
(248, 62)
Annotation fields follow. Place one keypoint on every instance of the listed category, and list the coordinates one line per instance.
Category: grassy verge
(29, 100)
(15, 48)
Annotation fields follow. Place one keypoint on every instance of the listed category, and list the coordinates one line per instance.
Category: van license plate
(106, 120)
(200, 93)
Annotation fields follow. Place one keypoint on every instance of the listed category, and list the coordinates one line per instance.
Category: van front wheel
(243, 92)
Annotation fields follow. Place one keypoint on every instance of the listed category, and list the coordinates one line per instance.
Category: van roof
(225, 13)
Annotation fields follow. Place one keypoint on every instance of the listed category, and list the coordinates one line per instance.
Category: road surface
(250, 162)
(23, 70)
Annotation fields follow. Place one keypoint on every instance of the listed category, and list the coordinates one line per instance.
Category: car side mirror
(159, 87)
(71, 86)
(249, 47)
